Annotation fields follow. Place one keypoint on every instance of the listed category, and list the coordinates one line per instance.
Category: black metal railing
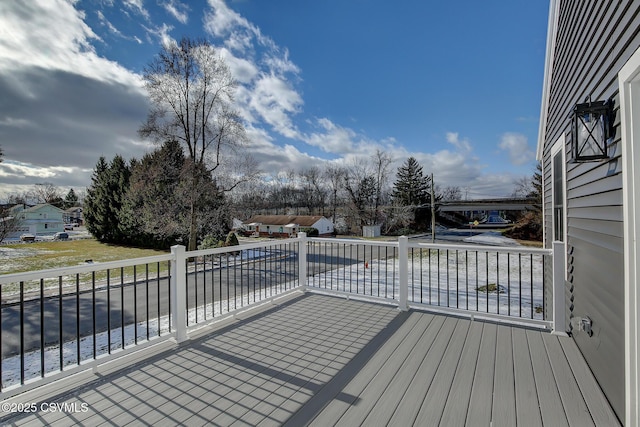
(66, 317)
(223, 280)
(501, 281)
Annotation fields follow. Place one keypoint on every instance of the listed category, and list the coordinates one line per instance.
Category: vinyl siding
(593, 41)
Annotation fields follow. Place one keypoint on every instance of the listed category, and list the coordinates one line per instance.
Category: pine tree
(95, 203)
(109, 184)
(71, 199)
(411, 187)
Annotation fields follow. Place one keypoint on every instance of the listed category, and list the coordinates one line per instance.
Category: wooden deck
(324, 361)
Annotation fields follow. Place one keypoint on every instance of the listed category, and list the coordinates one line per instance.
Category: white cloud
(63, 105)
(461, 144)
(275, 101)
(52, 34)
(517, 147)
(138, 7)
(177, 10)
(162, 34)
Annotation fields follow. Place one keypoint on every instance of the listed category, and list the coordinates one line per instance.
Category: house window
(46, 225)
(558, 189)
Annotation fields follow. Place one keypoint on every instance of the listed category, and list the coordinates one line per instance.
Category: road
(125, 305)
(115, 307)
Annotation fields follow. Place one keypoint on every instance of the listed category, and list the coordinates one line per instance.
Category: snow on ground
(437, 277)
(456, 279)
(492, 238)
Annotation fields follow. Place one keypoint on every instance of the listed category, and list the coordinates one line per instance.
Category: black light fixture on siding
(591, 131)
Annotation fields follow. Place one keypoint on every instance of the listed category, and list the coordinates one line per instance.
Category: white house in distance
(37, 220)
(287, 225)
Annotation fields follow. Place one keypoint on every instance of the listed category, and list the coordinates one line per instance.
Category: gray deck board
(393, 394)
(460, 392)
(504, 402)
(436, 397)
(548, 396)
(337, 407)
(527, 406)
(408, 409)
(327, 361)
(372, 396)
(574, 406)
(481, 399)
(599, 409)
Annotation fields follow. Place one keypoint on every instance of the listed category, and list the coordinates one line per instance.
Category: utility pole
(433, 212)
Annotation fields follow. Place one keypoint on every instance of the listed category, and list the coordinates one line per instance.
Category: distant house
(287, 225)
(73, 216)
(589, 146)
(37, 220)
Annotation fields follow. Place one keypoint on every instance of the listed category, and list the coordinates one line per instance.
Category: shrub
(311, 231)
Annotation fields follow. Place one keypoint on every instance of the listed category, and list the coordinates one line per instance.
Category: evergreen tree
(109, 184)
(71, 199)
(96, 200)
(411, 187)
(153, 209)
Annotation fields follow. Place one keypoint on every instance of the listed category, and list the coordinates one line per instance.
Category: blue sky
(455, 84)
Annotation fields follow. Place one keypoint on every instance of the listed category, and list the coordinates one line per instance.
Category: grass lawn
(44, 255)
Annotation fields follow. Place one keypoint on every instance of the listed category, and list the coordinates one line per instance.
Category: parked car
(27, 237)
(69, 226)
(61, 236)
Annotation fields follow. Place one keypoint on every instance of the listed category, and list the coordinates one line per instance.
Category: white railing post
(302, 260)
(559, 271)
(403, 272)
(179, 293)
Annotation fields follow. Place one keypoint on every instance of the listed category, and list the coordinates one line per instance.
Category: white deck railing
(73, 318)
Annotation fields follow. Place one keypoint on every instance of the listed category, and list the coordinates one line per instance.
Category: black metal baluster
(508, 284)
(135, 306)
(477, 284)
(498, 280)
(486, 258)
(448, 296)
(21, 333)
(146, 272)
(93, 313)
(169, 294)
(531, 283)
(466, 280)
(520, 285)
(457, 281)
(195, 288)
(42, 340)
(438, 277)
(61, 356)
(78, 316)
(109, 311)
(122, 305)
(158, 295)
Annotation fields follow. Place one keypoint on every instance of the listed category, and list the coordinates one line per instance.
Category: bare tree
(314, 192)
(381, 161)
(449, 193)
(335, 176)
(191, 92)
(9, 222)
(46, 192)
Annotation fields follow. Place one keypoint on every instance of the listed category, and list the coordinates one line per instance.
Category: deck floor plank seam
(551, 408)
(527, 405)
(481, 398)
(324, 360)
(572, 400)
(408, 409)
(436, 398)
(370, 397)
(455, 410)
